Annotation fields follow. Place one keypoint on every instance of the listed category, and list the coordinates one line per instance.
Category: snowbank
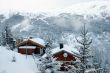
(22, 65)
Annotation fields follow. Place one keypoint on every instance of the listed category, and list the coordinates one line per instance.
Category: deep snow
(22, 64)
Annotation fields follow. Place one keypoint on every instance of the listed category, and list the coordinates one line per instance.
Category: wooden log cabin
(64, 56)
(30, 46)
(67, 55)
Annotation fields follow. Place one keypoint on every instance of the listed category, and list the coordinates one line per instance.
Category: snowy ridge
(93, 7)
(88, 8)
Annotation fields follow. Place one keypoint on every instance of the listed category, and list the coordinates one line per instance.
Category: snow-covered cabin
(64, 53)
(31, 45)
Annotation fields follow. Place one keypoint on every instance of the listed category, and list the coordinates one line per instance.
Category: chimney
(30, 37)
(61, 45)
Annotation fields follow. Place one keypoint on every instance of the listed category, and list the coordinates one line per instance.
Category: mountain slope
(93, 7)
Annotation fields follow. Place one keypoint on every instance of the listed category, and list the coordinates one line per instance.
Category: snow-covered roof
(67, 48)
(27, 47)
(37, 40)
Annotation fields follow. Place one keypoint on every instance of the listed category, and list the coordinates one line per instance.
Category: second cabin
(30, 46)
(65, 53)
(64, 56)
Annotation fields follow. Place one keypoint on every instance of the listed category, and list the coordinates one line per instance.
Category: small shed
(29, 46)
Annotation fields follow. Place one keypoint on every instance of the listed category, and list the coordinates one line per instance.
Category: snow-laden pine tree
(3, 40)
(8, 38)
(86, 65)
(48, 65)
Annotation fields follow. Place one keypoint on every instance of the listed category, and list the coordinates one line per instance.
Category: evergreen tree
(7, 38)
(3, 40)
(48, 63)
(86, 65)
(8, 35)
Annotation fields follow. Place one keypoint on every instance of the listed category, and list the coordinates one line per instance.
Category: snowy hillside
(22, 65)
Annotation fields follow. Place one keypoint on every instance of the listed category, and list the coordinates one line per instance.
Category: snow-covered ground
(22, 64)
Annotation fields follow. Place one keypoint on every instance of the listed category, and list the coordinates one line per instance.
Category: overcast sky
(34, 5)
